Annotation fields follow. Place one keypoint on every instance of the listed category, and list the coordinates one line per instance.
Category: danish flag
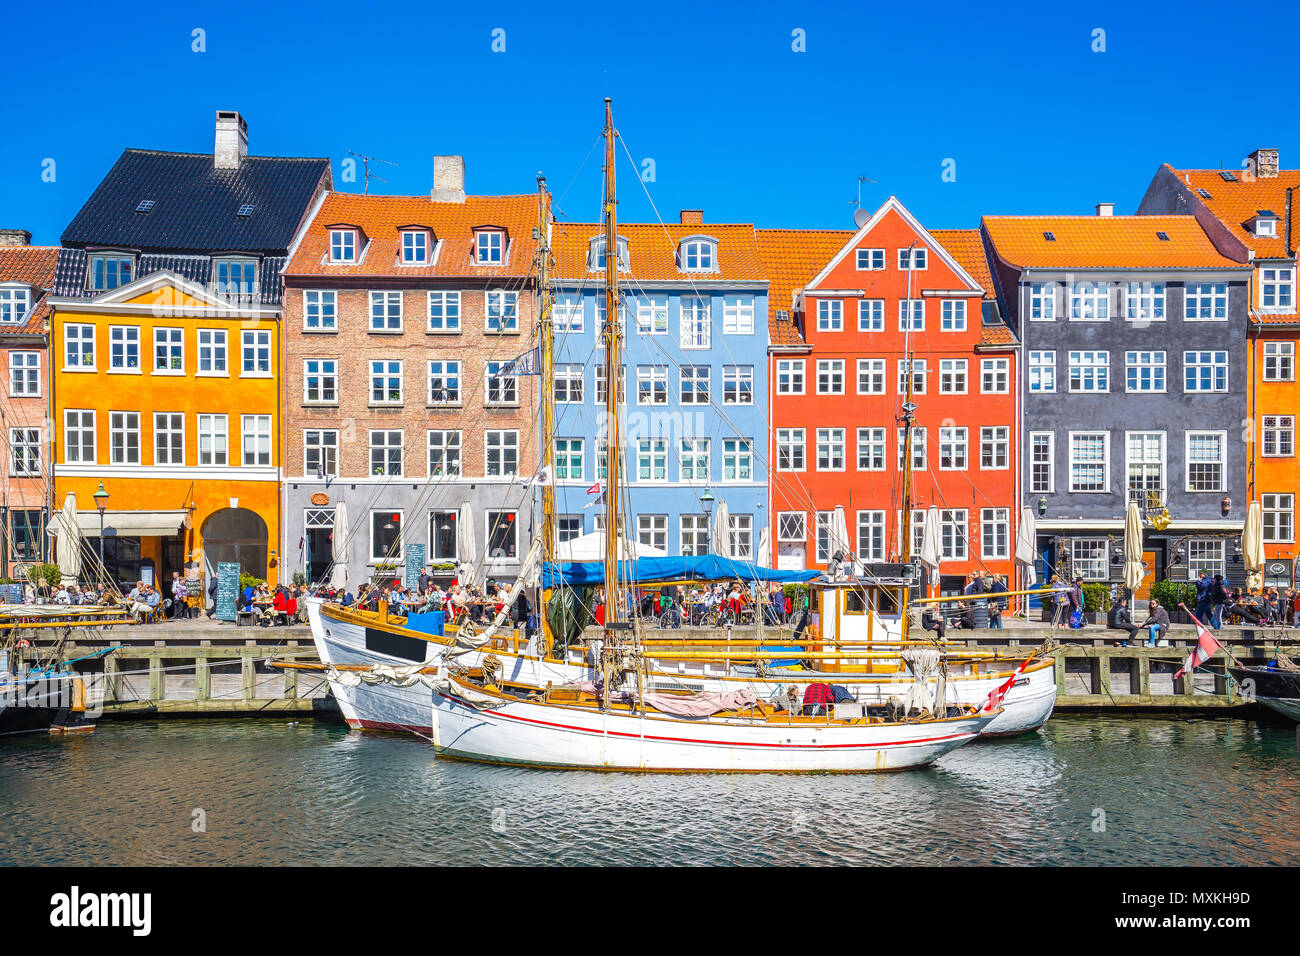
(995, 696)
(1206, 645)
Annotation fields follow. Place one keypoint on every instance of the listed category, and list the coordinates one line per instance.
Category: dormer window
(596, 255)
(699, 255)
(15, 303)
(235, 278)
(489, 247)
(1265, 223)
(415, 247)
(107, 271)
(343, 245)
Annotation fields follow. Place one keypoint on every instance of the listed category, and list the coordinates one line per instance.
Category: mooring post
(1095, 663)
(202, 679)
(1144, 673)
(248, 674)
(156, 687)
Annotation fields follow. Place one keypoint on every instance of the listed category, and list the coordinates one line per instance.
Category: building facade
(402, 418)
(1134, 388)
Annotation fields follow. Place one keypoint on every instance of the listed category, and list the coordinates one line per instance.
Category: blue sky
(736, 121)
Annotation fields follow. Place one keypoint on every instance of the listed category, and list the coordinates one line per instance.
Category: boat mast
(909, 419)
(613, 379)
(547, 348)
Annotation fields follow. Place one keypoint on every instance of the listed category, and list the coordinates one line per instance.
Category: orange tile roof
(792, 258)
(33, 266)
(967, 247)
(652, 250)
(1236, 203)
(1104, 242)
(381, 217)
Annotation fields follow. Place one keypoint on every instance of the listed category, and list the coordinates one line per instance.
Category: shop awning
(133, 524)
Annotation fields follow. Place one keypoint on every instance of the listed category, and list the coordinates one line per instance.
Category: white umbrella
(1134, 570)
(839, 531)
(339, 547)
(1252, 546)
(722, 531)
(69, 546)
(466, 546)
(931, 546)
(1027, 545)
(764, 548)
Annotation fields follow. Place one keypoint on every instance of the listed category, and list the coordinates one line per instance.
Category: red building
(846, 307)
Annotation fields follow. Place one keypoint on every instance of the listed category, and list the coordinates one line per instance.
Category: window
(79, 347)
(25, 374)
(1088, 558)
(871, 376)
(870, 260)
(385, 536)
(912, 259)
(444, 382)
(602, 393)
(952, 315)
(503, 311)
(568, 384)
(1146, 302)
(1205, 301)
(385, 383)
(502, 453)
(1277, 289)
(789, 449)
(1264, 226)
(1090, 371)
(569, 459)
(871, 536)
(1279, 517)
(25, 452)
(789, 376)
(343, 245)
(489, 247)
(320, 452)
(952, 449)
(415, 247)
(1279, 436)
(386, 452)
(695, 384)
(442, 535)
(1042, 301)
(742, 536)
(695, 323)
(1041, 461)
(1144, 371)
(501, 389)
(257, 353)
(319, 311)
(1042, 371)
(1279, 361)
(124, 348)
(652, 385)
(1145, 466)
(1205, 371)
(1206, 454)
(652, 315)
(566, 312)
(652, 530)
(1089, 302)
(567, 527)
(212, 351)
(695, 534)
(697, 256)
(918, 376)
(385, 312)
(995, 447)
(124, 438)
(830, 449)
(257, 440)
(738, 385)
(911, 315)
(918, 449)
(596, 254)
(830, 376)
(871, 449)
(1089, 461)
(917, 527)
(791, 527)
(737, 459)
(212, 439)
(320, 381)
(14, 303)
(995, 533)
(871, 315)
(444, 311)
(109, 272)
(652, 459)
(444, 452)
(952, 376)
(1206, 554)
(235, 278)
(695, 459)
(737, 315)
(830, 315)
(79, 436)
(168, 438)
(825, 530)
(995, 376)
(952, 533)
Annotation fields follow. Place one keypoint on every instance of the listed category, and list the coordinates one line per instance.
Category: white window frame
(261, 428)
(213, 440)
(129, 336)
(871, 315)
(1083, 361)
(872, 370)
(383, 376)
(256, 341)
(1105, 462)
(872, 446)
(953, 373)
(1089, 301)
(1222, 462)
(830, 315)
(81, 430)
(448, 440)
(831, 449)
(320, 304)
(1194, 363)
(1200, 298)
(447, 303)
(1279, 361)
(996, 438)
(995, 528)
(25, 373)
(791, 449)
(830, 374)
(216, 346)
(952, 315)
(506, 441)
(954, 443)
(84, 344)
(874, 259)
(915, 308)
(1042, 371)
(652, 315)
(1279, 517)
(737, 315)
(449, 371)
(1140, 360)
(343, 245)
(327, 379)
(1033, 446)
(489, 247)
(164, 426)
(789, 372)
(1279, 432)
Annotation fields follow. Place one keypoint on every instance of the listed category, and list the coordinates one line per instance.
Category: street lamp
(707, 500)
(101, 503)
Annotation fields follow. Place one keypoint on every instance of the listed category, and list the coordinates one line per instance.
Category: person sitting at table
(932, 620)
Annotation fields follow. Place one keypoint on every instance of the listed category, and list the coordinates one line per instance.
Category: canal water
(1083, 790)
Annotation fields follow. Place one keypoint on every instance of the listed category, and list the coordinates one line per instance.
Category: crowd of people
(983, 592)
(457, 601)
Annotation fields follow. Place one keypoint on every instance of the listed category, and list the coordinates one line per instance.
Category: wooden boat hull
(40, 705)
(1278, 690)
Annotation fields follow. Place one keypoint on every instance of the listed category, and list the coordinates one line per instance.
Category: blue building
(694, 313)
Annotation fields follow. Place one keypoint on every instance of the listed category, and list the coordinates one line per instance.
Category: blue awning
(705, 567)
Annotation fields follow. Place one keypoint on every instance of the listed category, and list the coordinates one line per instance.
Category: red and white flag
(995, 696)
(594, 489)
(598, 492)
(1206, 645)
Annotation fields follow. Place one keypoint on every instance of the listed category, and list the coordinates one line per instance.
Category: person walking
(1218, 600)
(1204, 596)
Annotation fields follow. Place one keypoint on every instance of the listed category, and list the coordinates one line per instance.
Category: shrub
(299, 578)
(1096, 598)
(1170, 593)
(247, 580)
(49, 573)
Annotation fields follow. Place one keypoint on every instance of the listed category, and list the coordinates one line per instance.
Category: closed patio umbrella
(1252, 546)
(764, 548)
(466, 546)
(1027, 546)
(339, 547)
(722, 531)
(69, 546)
(1134, 570)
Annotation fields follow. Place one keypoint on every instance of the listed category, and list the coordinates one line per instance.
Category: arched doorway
(238, 535)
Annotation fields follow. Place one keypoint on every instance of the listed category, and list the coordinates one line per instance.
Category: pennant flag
(599, 499)
(527, 364)
(1206, 645)
(995, 696)
(594, 489)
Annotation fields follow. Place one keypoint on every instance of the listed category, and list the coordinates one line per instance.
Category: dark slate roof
(196, 205)
(70, 274)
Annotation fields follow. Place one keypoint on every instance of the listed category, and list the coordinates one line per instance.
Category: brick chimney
(15, 237)
(1105, 209)
(448, 179)
(692, 217)
(231, 147)
(1262, 164)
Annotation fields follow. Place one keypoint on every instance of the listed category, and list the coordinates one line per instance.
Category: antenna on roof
(365, 167)
(861, 216)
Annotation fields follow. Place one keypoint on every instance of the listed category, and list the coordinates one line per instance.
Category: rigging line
(556, 203)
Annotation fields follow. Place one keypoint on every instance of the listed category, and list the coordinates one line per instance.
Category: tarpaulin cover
(704, 567)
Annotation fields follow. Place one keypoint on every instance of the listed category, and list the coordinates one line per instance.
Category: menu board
(227, 590)
(414, 564)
